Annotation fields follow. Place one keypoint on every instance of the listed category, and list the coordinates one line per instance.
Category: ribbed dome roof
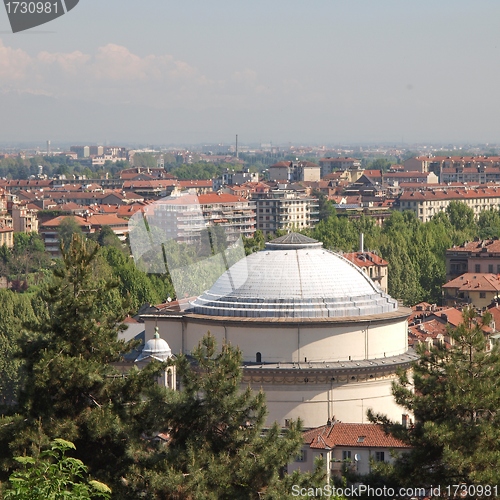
(294, 277)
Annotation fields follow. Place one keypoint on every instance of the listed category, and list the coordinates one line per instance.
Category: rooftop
(484, 282)
(294, 277)
(352, 435)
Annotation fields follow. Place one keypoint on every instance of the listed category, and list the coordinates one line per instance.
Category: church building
(320, 338)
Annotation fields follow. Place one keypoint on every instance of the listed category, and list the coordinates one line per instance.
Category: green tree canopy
(461, 216)
(455, 399)
(218, 447)
(489, 224)
(67, 228)
(106, 237)
(71, 389)
(53, 476)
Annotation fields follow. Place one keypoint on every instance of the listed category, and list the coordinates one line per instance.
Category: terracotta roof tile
(365, 259)
(475, 281)
(486, 246)
(352, 435)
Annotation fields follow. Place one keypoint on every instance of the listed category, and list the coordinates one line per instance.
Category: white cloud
(13, 63)
(112, 71)
(113, 74)
(70, 64)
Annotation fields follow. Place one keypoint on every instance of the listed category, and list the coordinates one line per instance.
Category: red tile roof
(484, 282)
(431, 329)
(106, 220)
(57, 221)
(470, 170)
(482, 246)
(450, 314)
(404, 175)
(160, 183)
(495, 312)
(352, 435)
(365, 259)
(372, 173)
(196, 183)
(451, 194)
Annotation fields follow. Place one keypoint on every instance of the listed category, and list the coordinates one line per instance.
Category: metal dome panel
(296, 279)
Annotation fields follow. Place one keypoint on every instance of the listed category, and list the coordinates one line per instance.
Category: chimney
(361, 242)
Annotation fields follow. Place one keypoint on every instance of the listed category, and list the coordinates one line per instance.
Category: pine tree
(71, 389)
(455, 399)
(218, 448)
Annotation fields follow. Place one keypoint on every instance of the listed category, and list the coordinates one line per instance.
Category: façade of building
(316, 333)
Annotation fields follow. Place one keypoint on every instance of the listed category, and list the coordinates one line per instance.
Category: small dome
(155, 348)
(294, 277)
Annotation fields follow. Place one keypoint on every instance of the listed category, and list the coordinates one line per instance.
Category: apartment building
(285, 210)
(476, 289)
(330, 164)
(49, 230)
(396, 178)
(478, 256)
(372, 265)
(24, 220)
(347, 447)
(479, 175)
(232, 178)
(294, 171)
(437, 164)
(182, 218)
(81, 151)
(6, 236)
(426, 204)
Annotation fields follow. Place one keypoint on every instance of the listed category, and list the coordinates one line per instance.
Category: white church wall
(286, 344)
(315, 404)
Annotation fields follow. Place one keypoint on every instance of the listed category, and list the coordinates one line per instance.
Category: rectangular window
(379, 456)
(482, 295)
(490, 268)
(346, 455)
(477, 268)
(498, 268)
(301, 457)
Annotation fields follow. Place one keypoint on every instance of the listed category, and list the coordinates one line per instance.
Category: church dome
(294, 277)
(155, 348)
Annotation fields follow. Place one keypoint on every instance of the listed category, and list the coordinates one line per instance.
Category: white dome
(294, 277)
(155, 348)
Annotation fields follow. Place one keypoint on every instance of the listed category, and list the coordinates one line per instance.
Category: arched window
(258, 358)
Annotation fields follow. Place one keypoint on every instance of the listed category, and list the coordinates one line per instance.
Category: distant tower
(48, 148)
(236, 145)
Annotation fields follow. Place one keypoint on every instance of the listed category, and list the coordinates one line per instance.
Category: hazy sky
(322, 71)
